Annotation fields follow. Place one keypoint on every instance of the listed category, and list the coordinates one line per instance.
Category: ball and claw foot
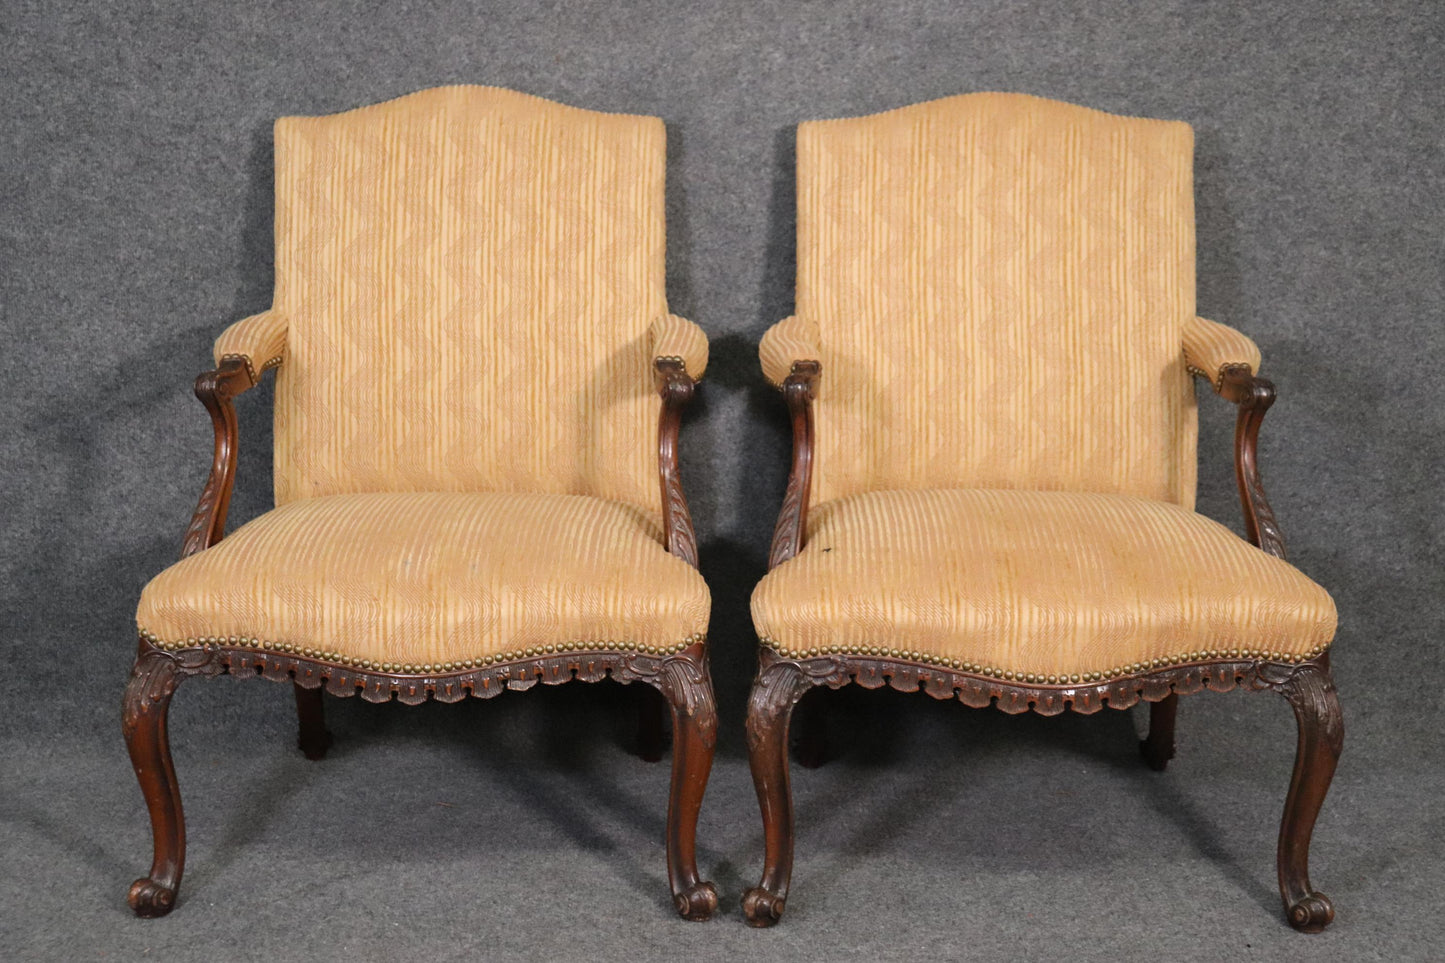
(697, 903)
(150, 899)
(1312, 914)
(761, 907)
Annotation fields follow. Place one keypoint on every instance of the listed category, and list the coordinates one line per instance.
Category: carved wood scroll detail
(799, 392)
(143, 721)
(682, 677)
(1310, 690)
(216, 389)
(676, 387)
(1307, 686)
(780, 684)
(1310, 685)
(836, 671)
(1254, 396)
(685, 683)
(679, 673)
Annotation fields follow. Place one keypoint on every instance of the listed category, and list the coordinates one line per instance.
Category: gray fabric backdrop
(136, 218)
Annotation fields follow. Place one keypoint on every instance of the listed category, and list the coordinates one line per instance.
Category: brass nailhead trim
(993, 672)
(1217, 379)
(532, 652)
(251, 371)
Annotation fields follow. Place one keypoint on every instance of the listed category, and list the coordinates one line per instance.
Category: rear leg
(312, 736)
(1158, 747)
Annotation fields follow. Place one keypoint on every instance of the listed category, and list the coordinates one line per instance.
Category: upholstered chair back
(468, 275)
(999, 284)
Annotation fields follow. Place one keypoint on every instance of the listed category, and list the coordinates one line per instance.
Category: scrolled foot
(697, 903)
(1311, 914)
(150, 899)
(761, 907)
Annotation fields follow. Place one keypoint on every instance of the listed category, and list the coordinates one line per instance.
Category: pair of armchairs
(478, 395)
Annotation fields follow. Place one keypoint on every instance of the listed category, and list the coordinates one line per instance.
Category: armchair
(471, 340)
(993, 476)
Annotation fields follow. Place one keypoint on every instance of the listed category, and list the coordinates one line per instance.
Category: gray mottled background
(135, 172)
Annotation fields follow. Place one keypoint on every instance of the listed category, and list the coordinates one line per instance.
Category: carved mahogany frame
(1305, 682)
(681, 676)
(798, 392)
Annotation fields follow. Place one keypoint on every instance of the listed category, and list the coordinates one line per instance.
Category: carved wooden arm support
(1253, 395)
(676, 387)
(798, 392)
(215, 389)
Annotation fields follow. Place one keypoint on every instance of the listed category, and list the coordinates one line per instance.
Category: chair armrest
(785, 344)
(243, 352)
(1229, 360)
(1253, 395)
(679, 357)
(799, 390)
(1211, 347)
(676, 387)
(257, 342)
(215, 389)
(672, 338)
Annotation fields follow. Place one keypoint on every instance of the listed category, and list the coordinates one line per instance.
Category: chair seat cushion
(1042, 586)
(430, 578)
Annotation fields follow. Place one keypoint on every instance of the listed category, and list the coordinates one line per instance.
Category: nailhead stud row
(402, 668)
(992, 672)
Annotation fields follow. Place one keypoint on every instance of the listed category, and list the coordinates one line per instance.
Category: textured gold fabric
(429, 578)
(259, 341)
(1044, 583)
(674, 337)
(469, 297)
(1210, 347)
(1000, 283)
(791, 339)
(469, 274)
(1000, 290)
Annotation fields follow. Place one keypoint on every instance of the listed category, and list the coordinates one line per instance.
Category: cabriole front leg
(777, 689)
(688, 688)
(1310, 690)
(147, 702)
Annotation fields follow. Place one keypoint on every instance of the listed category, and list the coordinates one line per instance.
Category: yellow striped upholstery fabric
(431, 578)
(469, 274)
(259, 341)
(469, 298)
(1048, 585)
(790, 340)
(999, 283)
(674, 338)
(1210, 347)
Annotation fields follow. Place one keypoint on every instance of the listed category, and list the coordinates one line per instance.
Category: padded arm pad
(790, 340)
(1210, 347)
(259, 341)
(678, 339)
